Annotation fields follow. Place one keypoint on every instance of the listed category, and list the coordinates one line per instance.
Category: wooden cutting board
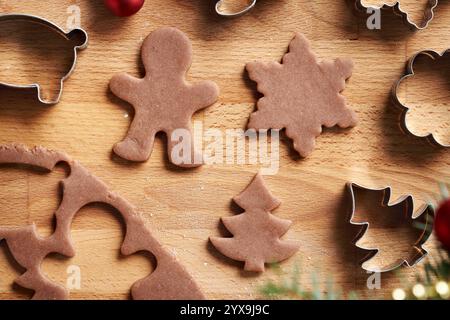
(183, 207)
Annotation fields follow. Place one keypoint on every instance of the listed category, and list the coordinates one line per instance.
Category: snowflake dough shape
(301, 95)
(163, 100)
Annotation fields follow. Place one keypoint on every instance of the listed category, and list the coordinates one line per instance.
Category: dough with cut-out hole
(168, 281)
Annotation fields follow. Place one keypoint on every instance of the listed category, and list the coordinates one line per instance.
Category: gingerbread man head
(167, 53)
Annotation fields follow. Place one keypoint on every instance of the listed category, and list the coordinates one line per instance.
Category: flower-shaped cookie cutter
(220, 12)
(75, 33)
(430, 137)
(396, 7)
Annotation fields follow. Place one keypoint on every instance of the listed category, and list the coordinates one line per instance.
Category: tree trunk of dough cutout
(168, 281)
(256, 232)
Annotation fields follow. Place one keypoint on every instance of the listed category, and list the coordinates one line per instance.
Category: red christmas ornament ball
(442, 224)
(124, 8)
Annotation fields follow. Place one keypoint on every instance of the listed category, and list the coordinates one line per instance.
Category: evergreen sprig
(292, 288)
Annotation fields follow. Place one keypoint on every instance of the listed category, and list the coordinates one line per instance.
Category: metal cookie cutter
(396, 7)
(70, 35)
(405, 109)
(398, 213)
(219, 11)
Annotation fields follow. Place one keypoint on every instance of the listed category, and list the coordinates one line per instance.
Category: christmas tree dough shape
(301, 95)
(256, 232)
(163, 100)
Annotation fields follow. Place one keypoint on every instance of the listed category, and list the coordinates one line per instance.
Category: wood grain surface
(183, 207)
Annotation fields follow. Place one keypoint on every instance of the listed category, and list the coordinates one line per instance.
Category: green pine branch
(292, 288)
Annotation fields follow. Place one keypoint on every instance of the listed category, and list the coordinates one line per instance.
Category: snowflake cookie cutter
(219, 11)
(422, 222)
(169, 280)
(74, 33)
(430, 137)
(396, 7)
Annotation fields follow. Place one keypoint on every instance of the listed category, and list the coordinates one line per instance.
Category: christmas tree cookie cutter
(222, 13)
(401, 209)
(397, 9)
(169, 280)
(430, 137)
(76, 33)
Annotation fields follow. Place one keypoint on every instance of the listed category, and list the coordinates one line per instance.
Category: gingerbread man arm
(125, 87)
(203, 94)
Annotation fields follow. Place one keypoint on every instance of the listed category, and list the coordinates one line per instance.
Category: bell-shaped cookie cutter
(56, 29)
(430, 137)
(425, 217)
(233, 14)
(396, 7)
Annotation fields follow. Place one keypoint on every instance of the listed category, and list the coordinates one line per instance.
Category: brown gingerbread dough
(301, 95)
(168, 281)
(163, 100)
(256, 232)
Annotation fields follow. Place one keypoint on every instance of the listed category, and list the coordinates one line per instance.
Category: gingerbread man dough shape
(163, 100)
